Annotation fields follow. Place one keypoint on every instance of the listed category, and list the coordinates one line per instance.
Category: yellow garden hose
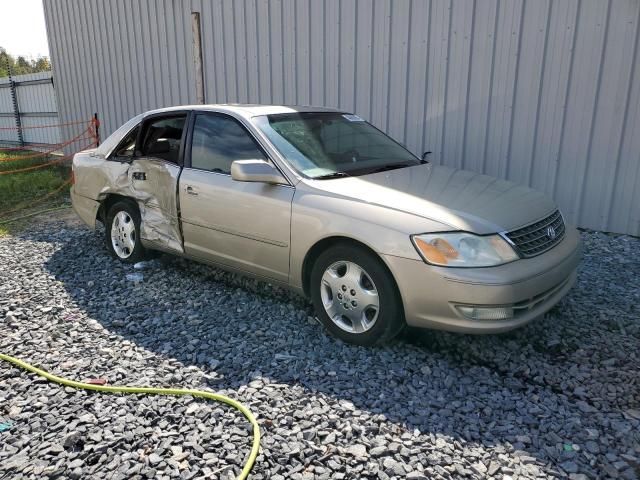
(216, 397)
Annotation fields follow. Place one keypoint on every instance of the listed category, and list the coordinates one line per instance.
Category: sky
(22, 28)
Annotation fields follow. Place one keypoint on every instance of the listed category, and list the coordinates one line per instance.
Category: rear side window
(128, 144)
(218, 141)
(110, 143)
(162, 138)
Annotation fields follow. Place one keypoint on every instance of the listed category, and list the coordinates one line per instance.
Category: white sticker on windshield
(352, 118)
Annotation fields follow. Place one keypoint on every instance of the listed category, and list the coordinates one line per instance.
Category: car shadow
(514, 392)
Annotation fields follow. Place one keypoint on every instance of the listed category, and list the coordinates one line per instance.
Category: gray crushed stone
(559, 398)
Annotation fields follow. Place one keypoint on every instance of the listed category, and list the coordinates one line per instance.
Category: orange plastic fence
(90, 133)
(88, 137)
(46, 164)
(78, 122)
(77, 138)
(35, 201)
(50, 146)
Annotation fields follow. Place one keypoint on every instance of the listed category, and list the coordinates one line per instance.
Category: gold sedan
(321, 201)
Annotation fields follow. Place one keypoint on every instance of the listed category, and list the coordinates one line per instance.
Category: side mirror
(256, 171)
(159, 146)
(425, 155)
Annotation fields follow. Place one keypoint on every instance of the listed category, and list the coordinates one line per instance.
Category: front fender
(316, 217)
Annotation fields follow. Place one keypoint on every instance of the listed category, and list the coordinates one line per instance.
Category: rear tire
(355, 296)
(122, 232)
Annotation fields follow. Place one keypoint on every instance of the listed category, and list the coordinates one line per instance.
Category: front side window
(326, 144)
(162, 137)
(218, 141)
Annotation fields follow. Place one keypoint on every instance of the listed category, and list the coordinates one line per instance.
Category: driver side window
(219, 140)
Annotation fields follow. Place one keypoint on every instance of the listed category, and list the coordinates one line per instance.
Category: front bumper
(531, 286)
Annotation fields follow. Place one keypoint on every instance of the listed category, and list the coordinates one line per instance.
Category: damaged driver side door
(153, 179)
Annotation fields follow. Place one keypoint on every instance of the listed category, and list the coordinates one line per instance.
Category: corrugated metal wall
(543, 92)
(37, 106)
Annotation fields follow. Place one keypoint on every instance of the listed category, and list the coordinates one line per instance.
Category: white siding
(543, 92)
(37, 106)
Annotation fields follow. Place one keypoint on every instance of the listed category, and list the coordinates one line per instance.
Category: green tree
(21, 65)
(42, 64)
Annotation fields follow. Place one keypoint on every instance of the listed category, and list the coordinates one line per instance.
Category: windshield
(328, 144)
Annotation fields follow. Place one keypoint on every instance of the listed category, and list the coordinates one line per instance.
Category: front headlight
(463, 249)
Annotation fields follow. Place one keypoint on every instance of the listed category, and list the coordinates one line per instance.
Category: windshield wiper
(391, 166)
(329, 176)
(382, 168)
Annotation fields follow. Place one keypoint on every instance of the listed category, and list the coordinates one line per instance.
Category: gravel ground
(558, 398)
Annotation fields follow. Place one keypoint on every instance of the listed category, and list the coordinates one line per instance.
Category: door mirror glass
(256, 171)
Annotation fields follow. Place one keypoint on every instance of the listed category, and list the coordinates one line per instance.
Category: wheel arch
(322, 245)
(108, 201)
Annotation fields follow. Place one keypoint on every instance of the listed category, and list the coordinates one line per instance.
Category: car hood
(459, 199)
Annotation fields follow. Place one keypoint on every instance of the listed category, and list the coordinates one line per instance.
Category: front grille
(537, 238)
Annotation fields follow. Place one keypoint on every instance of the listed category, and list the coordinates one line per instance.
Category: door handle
(190, 190)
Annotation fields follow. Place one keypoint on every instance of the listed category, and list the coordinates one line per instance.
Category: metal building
(27, 106)
(543, 92)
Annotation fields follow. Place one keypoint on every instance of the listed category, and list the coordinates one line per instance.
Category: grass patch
(24, 188)
(26, 192)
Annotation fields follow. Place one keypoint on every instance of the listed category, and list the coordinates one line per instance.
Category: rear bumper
(86, 208)
(530, 286)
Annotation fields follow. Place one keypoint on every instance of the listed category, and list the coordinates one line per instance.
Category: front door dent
(153, 184)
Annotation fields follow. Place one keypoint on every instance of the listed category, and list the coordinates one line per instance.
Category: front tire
(122, 233)
(355, 296)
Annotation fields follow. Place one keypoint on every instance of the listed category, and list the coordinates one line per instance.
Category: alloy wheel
(123, 234)
(349, 297)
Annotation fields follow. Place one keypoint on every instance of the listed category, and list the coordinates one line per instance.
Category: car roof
(246, 110)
